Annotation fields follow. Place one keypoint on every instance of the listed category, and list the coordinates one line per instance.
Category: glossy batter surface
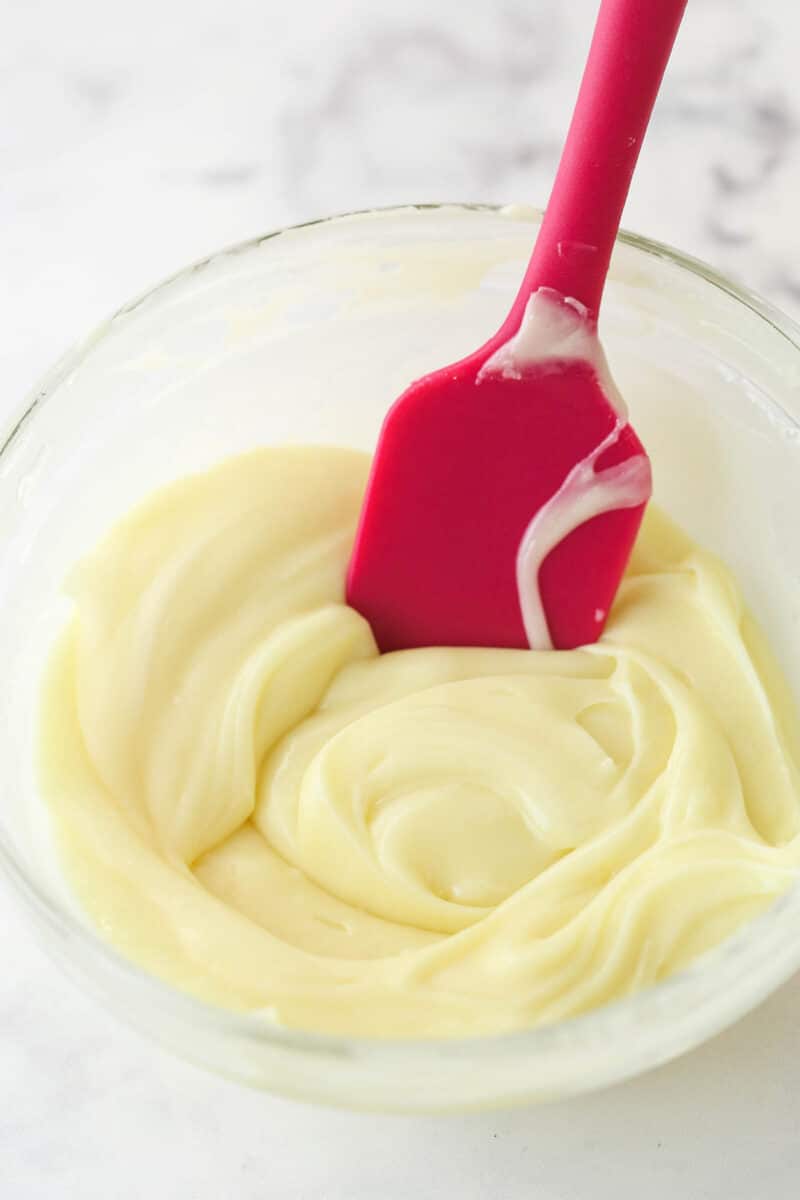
(256, 806)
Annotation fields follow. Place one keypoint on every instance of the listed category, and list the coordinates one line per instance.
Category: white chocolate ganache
(256, 806)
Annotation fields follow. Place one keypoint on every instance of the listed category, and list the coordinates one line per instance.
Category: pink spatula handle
(629, 52)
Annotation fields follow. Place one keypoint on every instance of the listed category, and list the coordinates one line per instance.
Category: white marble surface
(136, 137)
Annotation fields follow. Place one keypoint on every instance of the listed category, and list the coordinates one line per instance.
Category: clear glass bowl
(262, 343)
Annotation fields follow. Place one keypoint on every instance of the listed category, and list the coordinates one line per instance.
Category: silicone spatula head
(507, 490)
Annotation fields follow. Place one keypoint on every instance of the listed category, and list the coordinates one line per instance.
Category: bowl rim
(719, 967)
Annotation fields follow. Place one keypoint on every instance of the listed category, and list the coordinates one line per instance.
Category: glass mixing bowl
(307, 334)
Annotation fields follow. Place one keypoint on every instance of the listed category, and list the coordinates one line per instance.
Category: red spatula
(507, 490)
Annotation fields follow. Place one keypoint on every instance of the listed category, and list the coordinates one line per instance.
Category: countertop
(135, 138)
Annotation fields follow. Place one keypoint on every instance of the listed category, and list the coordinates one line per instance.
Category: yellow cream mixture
(256, 806)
